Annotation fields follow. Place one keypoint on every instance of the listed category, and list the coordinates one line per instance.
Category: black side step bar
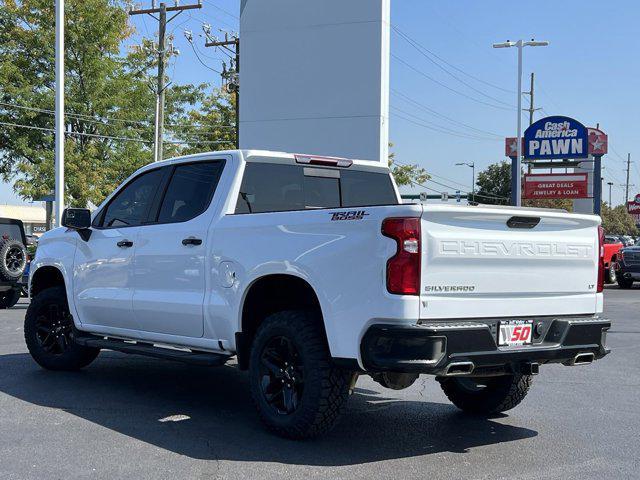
(139, 348)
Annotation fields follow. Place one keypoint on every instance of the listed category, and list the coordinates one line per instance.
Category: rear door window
(269, 187)
(361, 189)
(190, 191)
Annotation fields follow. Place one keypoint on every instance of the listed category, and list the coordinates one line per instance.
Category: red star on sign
(511, 146)
(598, 142)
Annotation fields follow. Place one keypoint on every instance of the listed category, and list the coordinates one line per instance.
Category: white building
(34, 217)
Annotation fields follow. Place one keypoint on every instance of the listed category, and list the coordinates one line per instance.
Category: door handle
(192, 241)
(125, 243)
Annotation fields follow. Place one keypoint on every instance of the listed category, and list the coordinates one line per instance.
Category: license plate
(515, 332)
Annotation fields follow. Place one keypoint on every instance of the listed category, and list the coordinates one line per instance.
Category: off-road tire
(9, 298)
(501, 393)
(625, 283)
(13, 260)
(325, 388)
(50, 307)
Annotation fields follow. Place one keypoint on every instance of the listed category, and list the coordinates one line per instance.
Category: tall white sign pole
(516, 180)
(517, 194)
(59, 119)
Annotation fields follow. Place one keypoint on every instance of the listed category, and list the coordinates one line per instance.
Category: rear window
(269, 187)
(11, 230)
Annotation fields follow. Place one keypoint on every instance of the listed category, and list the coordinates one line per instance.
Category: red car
(612, 247)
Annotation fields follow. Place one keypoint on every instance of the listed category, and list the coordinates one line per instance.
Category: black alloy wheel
(54, 329)
(282, 377)
(50, 334)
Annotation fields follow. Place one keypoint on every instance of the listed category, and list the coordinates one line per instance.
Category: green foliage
(494, 184)
(212, 127)
(407, 175)
(107, 94)
(617, 221)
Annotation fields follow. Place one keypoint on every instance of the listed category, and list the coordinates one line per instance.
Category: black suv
(13, 261)
(628, 265)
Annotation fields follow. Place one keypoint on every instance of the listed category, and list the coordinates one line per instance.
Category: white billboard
(314, 76)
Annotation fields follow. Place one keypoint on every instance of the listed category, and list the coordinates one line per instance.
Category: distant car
(628, 240)
(628, 267)
(32, 240)
(612, 247)
(13, 261)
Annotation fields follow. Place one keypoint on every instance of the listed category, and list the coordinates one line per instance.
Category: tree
(494, 184)
(109, 105)
(407, 175)
(617, 221)
(212, 127)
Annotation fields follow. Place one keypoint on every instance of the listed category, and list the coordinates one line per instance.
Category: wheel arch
(45, 277)
(269, 294)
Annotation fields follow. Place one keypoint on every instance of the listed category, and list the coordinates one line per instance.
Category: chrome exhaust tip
(583, 359)
(459, 368)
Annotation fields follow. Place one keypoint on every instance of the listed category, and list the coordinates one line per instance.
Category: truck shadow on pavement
(207, 414)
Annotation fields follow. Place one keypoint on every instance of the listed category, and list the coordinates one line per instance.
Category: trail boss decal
(556, 137)
(351, 215)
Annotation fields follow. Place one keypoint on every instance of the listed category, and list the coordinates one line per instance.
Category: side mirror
(78, 219)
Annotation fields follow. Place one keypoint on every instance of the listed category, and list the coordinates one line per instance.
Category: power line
(99, 119)
(422, 49)
(208, 2)
(425, 124)
(449, 186)
(110, 137)
(438, 114)
(462, 94)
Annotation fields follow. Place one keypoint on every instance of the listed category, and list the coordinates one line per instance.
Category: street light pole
(516, 181)
(471, 165)
(59, 113)
(610, 185)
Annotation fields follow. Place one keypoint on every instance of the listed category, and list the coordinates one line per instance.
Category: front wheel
(625, 283)
(486, 395)
(49, 334)
(298, 392)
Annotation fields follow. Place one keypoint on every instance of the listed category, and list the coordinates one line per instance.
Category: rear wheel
(49, 334)
(9, 298)
(625, 282)
(612, 277)
(486, 395)
(296, 389)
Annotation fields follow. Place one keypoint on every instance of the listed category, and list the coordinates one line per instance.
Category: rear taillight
(403, 269)
(600, 259)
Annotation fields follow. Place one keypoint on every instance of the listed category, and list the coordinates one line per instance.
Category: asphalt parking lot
(133, 417)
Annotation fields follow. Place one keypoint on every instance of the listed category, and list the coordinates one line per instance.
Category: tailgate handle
(523, 222)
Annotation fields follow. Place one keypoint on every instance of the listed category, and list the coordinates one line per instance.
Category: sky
(589, 72)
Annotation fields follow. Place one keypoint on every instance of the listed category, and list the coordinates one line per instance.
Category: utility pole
(610, 185)
(59, 114)
(626, 190)
(231, 76)
(531, 110)
(161, 11)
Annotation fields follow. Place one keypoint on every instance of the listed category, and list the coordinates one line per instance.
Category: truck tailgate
(476, 263)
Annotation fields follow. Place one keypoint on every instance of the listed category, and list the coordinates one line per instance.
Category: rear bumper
(439, 347)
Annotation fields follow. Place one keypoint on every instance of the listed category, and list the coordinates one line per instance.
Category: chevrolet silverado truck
(310, 271)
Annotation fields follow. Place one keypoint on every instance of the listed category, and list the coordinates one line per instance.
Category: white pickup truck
(311, 272)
